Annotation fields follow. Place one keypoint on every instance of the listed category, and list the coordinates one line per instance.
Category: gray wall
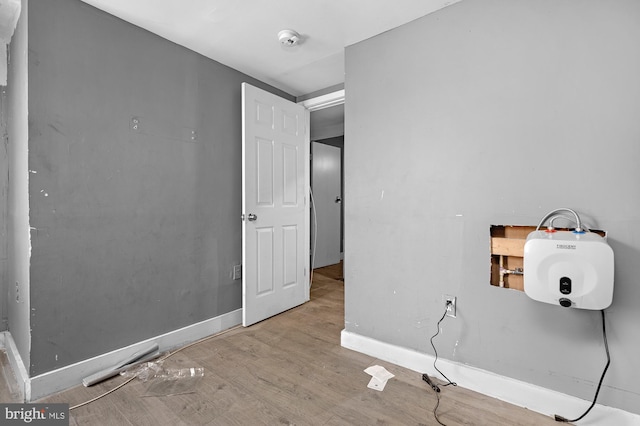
(18, 245)
(495, 112)
(4, 203)
(134, 231)
(327, 123)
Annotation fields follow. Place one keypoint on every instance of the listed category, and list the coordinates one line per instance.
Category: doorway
(327, 126)
(326, 220)
(327, 170)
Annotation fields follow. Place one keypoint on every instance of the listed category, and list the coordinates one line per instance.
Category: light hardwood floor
(291, 370)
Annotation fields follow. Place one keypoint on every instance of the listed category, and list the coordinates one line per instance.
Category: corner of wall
(18, 230)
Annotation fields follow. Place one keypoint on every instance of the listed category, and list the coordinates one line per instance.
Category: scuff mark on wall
(56, 129)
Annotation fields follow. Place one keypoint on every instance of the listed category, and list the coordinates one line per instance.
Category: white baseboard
(522, 394)
(40, 386)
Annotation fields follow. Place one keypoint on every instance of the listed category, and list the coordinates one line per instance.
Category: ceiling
(243, 34)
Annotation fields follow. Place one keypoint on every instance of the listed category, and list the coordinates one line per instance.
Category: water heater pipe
(552, 214)
(504, 271)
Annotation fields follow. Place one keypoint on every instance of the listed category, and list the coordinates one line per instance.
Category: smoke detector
(289, 38)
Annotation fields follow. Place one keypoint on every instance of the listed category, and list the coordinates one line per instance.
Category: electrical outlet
(450, 303)
(237, 272)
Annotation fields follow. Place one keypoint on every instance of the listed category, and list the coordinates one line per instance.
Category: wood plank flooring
(290, 370)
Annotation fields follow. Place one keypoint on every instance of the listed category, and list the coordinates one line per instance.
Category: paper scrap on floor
(379, 377)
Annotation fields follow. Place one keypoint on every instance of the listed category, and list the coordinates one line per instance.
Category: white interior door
(275, 187)
(327, 197)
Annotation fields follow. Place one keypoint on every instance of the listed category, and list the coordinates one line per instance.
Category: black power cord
(426, 377)
(559, 418)
(449, 382)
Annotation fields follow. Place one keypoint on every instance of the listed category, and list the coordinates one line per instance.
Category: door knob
(252, 217)
(338, 200)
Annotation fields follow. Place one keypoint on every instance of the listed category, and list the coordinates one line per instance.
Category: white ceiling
(243, 34)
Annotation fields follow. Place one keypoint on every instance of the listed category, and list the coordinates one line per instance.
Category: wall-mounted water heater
(568, 268)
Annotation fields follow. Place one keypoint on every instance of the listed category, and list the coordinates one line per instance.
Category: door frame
(317, 103)
(324, 101)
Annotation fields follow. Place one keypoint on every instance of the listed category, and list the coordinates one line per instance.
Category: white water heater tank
(569, 268)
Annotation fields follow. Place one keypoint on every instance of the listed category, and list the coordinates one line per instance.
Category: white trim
(324, 101)
(308, 267)
(522, 394)
(15, 362)
(72, 375)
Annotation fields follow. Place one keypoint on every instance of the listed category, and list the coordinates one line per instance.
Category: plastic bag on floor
(175, 381)
(144, 371)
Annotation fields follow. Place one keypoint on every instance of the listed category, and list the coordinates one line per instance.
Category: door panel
(264, 258)
(326, 180)
(275, 184)
(264, 171)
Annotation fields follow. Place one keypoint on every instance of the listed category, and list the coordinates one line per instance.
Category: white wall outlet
(450, 303)
(237, 272)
